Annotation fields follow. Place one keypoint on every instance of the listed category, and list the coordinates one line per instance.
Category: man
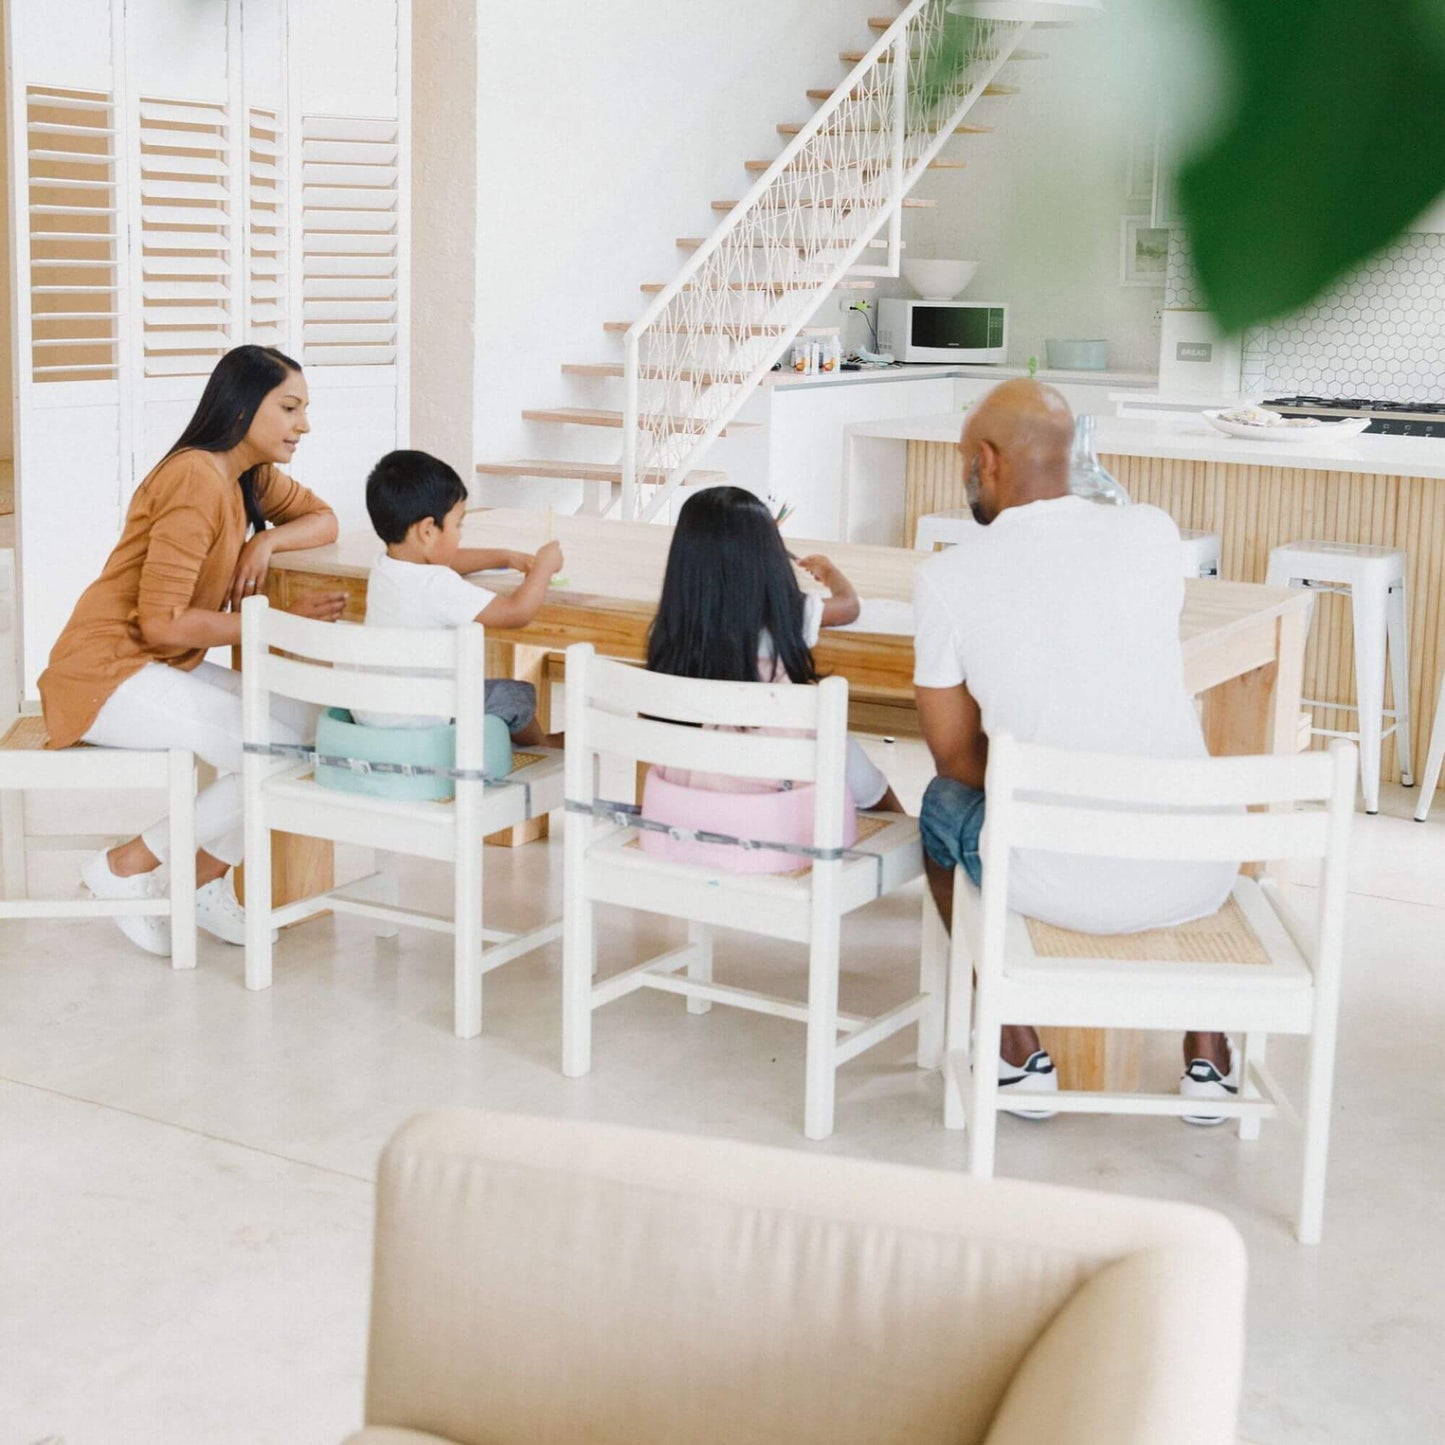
(1057, 621)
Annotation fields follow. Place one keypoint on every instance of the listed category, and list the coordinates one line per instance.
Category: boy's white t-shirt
(1062, 617)
(417, 594)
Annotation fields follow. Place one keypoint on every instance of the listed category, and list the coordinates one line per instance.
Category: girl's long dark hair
(243, 378)
(728, 580)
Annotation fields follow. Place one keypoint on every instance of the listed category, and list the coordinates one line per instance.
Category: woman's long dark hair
(242, 380)
(728, 580)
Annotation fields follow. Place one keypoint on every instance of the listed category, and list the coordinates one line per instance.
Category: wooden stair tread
(792, 127)
(616, 368)
(581, 471)
(596, 416)
(912, 203)
(941, 163)
(775, 288)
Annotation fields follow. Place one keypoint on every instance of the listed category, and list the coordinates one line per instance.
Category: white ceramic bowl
(938, 280)
(1066, 355)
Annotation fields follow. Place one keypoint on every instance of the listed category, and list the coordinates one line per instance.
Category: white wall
(605, 132)
(1039, 204)
(7, 372)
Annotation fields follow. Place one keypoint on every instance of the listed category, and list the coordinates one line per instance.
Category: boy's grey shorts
(514, 702)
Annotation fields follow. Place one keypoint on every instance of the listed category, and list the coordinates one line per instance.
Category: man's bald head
(1015, 445)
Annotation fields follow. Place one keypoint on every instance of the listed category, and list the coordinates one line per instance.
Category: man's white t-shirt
(416, 594)
(1062, 617)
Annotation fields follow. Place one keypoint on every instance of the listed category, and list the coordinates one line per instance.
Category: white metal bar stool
(1373, 578)
(1201, 553)
(1436, 757)
(942, 528)
(25, 763)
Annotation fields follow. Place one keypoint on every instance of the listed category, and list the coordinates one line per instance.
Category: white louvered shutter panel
(266, 234)
(186, 235)
(71, 211)
(72, 417)
(351, 247)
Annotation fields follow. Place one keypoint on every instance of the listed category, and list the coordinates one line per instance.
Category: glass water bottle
(1086, 477)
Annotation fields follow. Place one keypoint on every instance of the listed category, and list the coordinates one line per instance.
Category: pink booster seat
(783, 816)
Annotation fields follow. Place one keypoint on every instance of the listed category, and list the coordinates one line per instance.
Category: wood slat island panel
(1256, 508)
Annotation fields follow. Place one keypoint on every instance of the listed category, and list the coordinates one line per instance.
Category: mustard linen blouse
(179, 548)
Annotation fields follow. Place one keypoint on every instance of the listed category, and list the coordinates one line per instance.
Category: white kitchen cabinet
(798, 455)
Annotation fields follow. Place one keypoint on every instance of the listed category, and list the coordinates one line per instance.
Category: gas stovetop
(1387, 418)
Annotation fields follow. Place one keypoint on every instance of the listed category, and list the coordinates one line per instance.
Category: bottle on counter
(1087, 478)
(830, 355)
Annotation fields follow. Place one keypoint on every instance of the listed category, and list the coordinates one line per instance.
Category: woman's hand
(321, 606)
(252, 565)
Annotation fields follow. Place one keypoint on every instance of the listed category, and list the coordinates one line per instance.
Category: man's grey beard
(970, 492)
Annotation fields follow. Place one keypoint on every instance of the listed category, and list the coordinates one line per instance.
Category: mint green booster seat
(337, 736)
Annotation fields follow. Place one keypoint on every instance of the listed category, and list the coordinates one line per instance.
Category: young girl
(732, 610)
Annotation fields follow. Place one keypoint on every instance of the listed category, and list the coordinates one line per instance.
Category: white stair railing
(706, 341)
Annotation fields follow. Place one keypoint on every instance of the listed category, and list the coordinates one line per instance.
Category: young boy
(416, 503)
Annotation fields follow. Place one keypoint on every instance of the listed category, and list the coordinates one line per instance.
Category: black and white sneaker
(1036, 1075)
(1202, 1080)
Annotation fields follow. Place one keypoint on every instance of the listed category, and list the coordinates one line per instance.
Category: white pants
(163, 707)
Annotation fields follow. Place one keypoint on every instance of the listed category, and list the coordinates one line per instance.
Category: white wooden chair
(25, 763)
(617, 711)
(328, 664)
(1143, 808)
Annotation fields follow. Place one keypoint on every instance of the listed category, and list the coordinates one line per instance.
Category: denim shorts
(514, 702)
(951, 821)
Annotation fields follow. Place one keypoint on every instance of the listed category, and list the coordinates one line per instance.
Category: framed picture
(1139, 169)
(1143, 252)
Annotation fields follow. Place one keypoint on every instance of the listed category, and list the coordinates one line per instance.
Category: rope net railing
(710, 337)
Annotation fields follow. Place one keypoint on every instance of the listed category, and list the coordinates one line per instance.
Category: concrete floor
(185, 1167)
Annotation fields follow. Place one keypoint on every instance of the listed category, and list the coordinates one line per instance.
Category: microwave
(956, 331)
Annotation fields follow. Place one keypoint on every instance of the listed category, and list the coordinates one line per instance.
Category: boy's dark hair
(406, 486)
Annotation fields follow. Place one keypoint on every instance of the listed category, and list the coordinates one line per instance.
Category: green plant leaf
(1335, 144)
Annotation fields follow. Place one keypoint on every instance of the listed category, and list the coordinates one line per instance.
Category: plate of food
(1257, 424)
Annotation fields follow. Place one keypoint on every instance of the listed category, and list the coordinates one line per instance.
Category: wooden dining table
(1243, 644)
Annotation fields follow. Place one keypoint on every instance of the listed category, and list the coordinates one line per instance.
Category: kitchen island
(1382, 490)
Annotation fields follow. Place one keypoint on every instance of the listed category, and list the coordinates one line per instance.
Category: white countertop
(786, 379)
(1191, 439)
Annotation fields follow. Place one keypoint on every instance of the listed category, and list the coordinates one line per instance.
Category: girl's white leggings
(163, 707)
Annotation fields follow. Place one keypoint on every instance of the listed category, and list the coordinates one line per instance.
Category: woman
(129, 670)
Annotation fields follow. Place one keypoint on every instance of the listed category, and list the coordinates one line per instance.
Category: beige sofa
(553, 1282)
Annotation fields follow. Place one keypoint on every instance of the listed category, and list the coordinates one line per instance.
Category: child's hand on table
(820, 567)
(548, 559)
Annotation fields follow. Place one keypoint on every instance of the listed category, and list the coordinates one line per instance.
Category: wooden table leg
(526, 664)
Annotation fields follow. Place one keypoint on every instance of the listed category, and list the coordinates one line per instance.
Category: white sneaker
(220, 915)
(148, 931)
(1036, 1075)
(1202, 1080)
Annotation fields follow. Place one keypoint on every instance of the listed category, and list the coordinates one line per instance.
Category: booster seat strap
(299, 752)
(629, 815)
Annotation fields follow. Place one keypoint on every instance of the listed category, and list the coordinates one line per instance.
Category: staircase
(837, 191)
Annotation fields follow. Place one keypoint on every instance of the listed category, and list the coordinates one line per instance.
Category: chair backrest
(1213, 809)
(620, 710)
(557, 1280)
(335, 664)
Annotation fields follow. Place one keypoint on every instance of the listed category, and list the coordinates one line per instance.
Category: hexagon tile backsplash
(1380, 333)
